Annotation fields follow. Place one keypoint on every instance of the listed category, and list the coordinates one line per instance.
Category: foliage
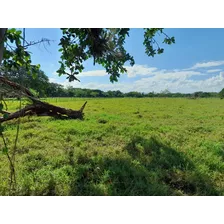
(171, 149)
(221, 94)
(150, 153)
(106, 46)
(42, 87)
(39, 84)
(149, 41)
(16, 54)
(57, 90)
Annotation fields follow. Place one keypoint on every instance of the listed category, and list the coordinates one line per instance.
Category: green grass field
(127, 146)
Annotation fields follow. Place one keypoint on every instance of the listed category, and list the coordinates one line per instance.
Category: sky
(194, 63)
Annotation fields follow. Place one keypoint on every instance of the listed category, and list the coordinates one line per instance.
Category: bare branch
(43, 40)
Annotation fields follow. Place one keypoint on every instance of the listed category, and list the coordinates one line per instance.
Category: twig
(37, 42)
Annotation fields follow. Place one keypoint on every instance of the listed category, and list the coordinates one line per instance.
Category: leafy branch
(16, 54)
(149, 41)
(105, 46)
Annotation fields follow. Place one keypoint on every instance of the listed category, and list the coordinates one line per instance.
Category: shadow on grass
(149, 167)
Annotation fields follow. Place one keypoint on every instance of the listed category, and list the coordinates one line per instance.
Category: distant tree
(221, 94)
(70, 91)
(94, 94)
(39, 84)
(165, 93)
(55, 90)
(134, 94)
(118, 93)
(150, 94)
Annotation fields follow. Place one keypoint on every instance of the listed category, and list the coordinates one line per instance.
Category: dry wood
(39, 107)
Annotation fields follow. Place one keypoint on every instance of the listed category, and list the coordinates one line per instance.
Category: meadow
(124, 146)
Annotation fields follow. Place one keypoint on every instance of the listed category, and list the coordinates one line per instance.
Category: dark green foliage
(149, 41)
(15, 54)
(57, 90)
(106, 46)
(39, 83)
(221, 94)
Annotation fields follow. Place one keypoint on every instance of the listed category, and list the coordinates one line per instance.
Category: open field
(126, 146)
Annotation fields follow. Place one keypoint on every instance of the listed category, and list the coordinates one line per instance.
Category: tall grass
(126, 146)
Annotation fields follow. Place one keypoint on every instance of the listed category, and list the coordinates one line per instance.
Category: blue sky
(194, 63)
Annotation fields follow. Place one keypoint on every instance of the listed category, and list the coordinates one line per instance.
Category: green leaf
(13, 30)
(5, 116)
(160, 50)
(34, 75)
(19, 63)
(1, 106)
(18, 32)
(5, 150)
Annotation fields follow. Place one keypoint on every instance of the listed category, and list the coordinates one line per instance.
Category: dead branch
(15, 86)
(39, 107)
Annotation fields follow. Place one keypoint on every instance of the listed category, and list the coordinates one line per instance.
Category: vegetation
(42, 87)
(105, 46)
(149, 146)
(221, 94)
(126, 146)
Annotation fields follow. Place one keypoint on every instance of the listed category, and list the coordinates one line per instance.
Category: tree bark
(44, 109)
(39, 107)
(2, 34)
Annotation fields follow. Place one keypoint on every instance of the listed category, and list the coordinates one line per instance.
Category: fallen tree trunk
(45, 109)
(39, 107)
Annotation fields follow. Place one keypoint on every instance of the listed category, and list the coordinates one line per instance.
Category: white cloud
(142, 70)
(52, 79)
(213, 70)
(88, 73)
(149, 84)
(208, 64)
(163, 75)
(131, 71)
(74, 84)
(139, 70)
(102, 86)
(93, 73)
(154, 79)
(215, 83)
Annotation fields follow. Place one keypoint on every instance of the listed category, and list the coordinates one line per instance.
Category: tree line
(42, 87)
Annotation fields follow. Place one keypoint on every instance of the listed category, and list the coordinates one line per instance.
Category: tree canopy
(104, 45)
